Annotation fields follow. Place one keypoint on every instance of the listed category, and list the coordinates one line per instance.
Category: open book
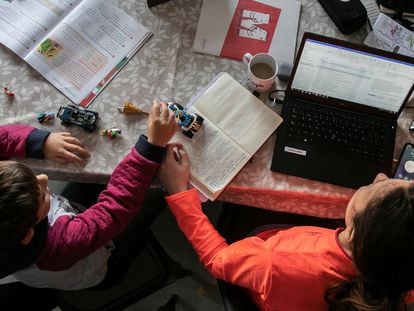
(231, 28)
(77, 45)
(236, 124)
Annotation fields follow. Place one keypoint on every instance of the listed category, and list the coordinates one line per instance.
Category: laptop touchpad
(329, 165)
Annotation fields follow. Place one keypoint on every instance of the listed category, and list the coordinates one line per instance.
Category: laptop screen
(331, 69)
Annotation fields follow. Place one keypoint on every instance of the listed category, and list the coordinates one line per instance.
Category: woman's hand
(161, 124)
(63, 148)
(175, 169)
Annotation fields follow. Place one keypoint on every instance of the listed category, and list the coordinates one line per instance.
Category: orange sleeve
(409, 299)
(246, 263)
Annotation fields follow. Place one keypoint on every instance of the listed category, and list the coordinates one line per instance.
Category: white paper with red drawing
(231, 28)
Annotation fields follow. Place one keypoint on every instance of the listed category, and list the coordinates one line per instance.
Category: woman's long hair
(383, 253)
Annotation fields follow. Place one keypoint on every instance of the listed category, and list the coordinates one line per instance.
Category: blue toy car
(190, 123)
(87, 119)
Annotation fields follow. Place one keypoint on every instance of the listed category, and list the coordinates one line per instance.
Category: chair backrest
(235, 298)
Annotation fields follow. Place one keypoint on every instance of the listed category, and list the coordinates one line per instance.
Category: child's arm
(73, 238)
(26, 141)
(21, 141)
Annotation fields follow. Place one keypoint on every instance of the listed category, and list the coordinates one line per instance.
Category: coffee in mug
(261, 71)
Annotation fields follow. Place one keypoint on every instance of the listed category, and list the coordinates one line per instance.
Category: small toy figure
(87, 119)
(129, 108)
(190, 123)
(45, 117)
(111, 133)
(7, 91)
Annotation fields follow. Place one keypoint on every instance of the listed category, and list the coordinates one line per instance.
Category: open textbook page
(78, 46)
(236, 124)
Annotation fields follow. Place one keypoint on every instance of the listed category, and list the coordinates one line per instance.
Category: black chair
(151, 270)
(235, 222)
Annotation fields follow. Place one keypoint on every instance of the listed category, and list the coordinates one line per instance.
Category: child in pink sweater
(44, 242)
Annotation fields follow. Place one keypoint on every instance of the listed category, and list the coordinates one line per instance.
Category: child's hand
(175, 169)
(161, 124)
(64, 148)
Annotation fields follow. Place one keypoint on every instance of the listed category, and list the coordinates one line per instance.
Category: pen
(177, 155)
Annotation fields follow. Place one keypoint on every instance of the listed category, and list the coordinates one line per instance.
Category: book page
(24, 23)
(87, 48)
(244, 118)
(388, 35)
(215, 159)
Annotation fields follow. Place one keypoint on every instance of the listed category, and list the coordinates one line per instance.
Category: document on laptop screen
(330, 70)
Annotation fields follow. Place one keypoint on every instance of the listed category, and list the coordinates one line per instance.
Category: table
(166, 68)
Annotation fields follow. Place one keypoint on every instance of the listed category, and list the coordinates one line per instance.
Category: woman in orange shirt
(368, 265)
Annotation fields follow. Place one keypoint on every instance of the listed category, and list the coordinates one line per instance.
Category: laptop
(340, 111)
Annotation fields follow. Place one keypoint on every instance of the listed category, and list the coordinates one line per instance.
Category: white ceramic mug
(261, 71)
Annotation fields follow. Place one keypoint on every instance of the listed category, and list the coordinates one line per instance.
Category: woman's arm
(246, 263)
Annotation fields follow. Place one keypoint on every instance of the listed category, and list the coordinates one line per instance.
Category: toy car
(45, 117)
(190, 123)
(87, 119)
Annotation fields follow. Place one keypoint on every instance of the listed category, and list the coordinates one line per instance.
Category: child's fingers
(165, 112)
(78, 150)
(72, 157)
(73, 140)
(171, 120)
(65, 134)
(155, 109)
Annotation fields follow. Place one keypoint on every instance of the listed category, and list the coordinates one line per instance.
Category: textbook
(231, 28)
(236, 123)
(77, 45)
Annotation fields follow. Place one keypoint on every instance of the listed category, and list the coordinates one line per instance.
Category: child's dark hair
(383, 252)
(19, 202)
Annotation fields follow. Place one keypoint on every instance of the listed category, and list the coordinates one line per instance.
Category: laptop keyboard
(339, 130)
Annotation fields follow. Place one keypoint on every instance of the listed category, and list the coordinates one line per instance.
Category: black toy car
(87, 119)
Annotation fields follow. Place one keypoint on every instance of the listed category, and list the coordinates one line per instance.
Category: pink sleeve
(71, 239)
(246, 263)
(13, 140)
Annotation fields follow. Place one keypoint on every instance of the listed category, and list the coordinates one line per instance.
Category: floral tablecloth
(166, 68)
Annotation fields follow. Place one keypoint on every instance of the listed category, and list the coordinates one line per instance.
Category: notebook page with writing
(236, 124)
